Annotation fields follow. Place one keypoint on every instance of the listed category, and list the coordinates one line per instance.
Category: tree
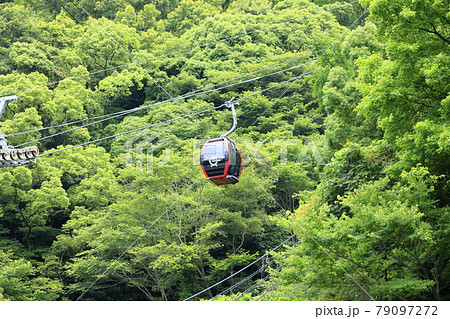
(14, 28)
(416, 61)
(252, 7)
(19, 281)
(380, 252)
(386, 242)
(188, 14)
(105, 44)
(351, 167)
(134, 218)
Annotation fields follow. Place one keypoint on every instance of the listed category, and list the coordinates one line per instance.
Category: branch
(419, 263)
(423, 275)
(353, 262)
(242, 242)
(436, 33)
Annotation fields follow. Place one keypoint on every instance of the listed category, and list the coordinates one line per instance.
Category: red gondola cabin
(221, 161)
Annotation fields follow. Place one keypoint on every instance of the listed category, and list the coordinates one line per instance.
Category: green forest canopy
(353, 158)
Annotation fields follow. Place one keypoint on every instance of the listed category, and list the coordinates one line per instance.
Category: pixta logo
(254, 152)
(142, 149)
(149, 151)
(309, 152)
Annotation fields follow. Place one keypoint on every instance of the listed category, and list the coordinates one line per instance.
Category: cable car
(221, 161)
(9, 155)
(220, 158)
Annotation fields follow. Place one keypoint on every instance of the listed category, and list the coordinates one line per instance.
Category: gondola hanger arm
(9, 155)
(230, 105)
(4, 101)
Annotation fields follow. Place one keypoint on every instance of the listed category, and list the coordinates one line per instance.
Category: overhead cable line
(262, 281)
(131, 131)
(229, 289)
(174, 52)
(126, 112)
(171, 120)
(183, 96)
(151, 225)
(241, 270)
(260, 270)
(176, 200)
(266, 292)
(281, 83)
(171, 98)
(148, 228)
(253, 287)
(318, 244)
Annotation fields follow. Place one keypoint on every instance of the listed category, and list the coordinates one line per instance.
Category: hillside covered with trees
(343, 125)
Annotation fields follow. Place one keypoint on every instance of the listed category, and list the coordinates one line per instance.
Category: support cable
(241, 270)
(126, 112)
(167, 121)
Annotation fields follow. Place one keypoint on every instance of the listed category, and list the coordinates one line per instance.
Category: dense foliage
(354, 158)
